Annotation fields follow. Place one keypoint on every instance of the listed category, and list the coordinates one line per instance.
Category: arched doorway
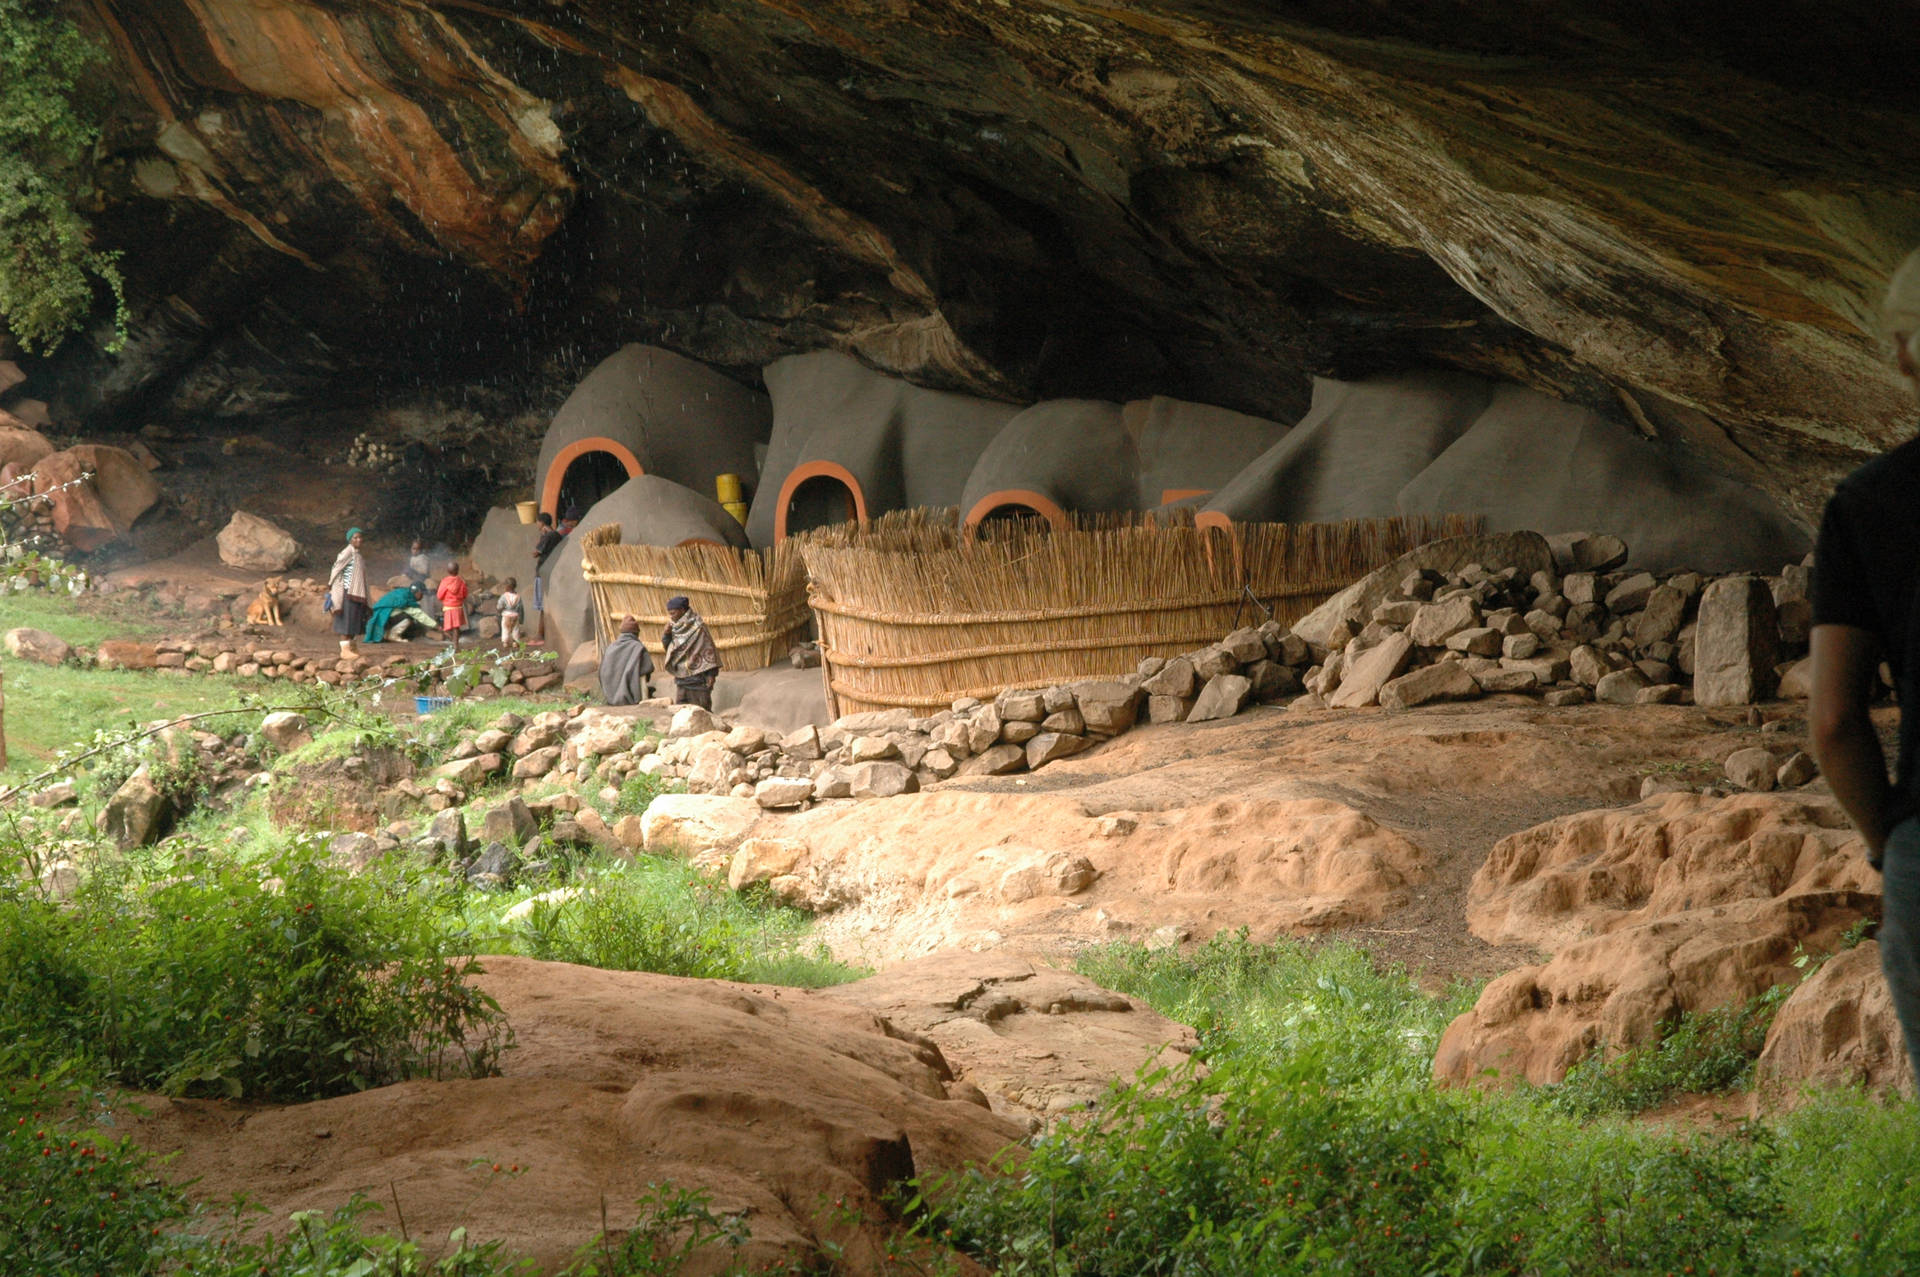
(585, 471)
(1013, 505)
(817, 495)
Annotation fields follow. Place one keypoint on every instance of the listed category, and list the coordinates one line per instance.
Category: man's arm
(1845, 660)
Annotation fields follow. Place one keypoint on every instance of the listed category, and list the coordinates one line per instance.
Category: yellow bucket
(726, 488)
(528, 510)
(738, 509)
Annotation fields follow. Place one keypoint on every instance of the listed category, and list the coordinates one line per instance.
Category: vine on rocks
(49, 268)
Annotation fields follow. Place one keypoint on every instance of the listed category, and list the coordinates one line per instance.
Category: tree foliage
(49, 267)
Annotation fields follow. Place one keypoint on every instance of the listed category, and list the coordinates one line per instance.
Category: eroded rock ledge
(1655, 213)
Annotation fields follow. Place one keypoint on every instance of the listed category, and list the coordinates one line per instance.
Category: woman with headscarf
(347, 588)
(391, 609)
(691, 657)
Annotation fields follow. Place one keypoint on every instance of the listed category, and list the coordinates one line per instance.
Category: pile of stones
(1590, 634)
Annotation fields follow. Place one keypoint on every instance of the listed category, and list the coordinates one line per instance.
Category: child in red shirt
(453, 604)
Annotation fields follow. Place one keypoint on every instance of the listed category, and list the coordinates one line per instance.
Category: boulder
(698, 826)
(881, 780)
(137, 813)
(256, 545)
(1586, 551)
(103, 508)
(1735, 643)
(21, 446)
(1108, 708)
(1046, 747)
(691, 720)
(537, 763)
(597, 733)
(1753, 768)
(1222, 697)
(1837, 1030)
(286, 730)
(1175, 679)
(1020, 706)
(353, 851)
(763, 859)
(37, 646)
(63, 794)
(510, 822)
(996, 760)
(1798, 770)
(1621, 687)
(1371, 671)
(1631, 594)
(783, 791)
(1036, 872)
(1660, 619)
(1435, 623)
(470, 771)
(1447, 681)
(447, 833)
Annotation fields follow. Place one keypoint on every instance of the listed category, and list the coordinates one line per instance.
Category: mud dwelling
(958, 638)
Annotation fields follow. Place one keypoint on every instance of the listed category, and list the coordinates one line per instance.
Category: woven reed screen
(753, 601)
(913, 614)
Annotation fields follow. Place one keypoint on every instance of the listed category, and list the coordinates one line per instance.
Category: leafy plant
(49, 267)
(76, 1200)
(674, 1225)
(289, 981)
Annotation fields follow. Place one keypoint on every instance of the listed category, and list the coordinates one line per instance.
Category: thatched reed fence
(915, 614)
(754, 601)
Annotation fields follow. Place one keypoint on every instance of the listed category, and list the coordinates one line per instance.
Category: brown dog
(265, 610)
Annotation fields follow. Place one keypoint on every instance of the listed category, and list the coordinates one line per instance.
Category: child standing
(511, 611)
(453, 604)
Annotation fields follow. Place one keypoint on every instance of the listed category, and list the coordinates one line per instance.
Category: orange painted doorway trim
(1044, 506)
(557, 471)
(856, 499)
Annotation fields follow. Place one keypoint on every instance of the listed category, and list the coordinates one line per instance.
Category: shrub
(1246, 1171)
(48, 268)
(288, 981)
(334, 1244)
(75, 1200)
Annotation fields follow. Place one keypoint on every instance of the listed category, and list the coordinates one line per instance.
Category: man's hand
(1845, 661)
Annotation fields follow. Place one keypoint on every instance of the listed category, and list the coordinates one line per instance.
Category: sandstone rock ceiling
(1678, 213)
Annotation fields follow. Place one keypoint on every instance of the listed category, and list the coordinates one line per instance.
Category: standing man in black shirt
(1866, 609)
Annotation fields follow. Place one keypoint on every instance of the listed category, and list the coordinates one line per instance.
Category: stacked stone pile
(1594, 634)
(246, 657)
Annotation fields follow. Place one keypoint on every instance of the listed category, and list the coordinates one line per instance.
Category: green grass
(48, 709)
(86, 620)
(659, 914)
(1318, 1144)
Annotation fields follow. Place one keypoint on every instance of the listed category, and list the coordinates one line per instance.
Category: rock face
(249, 541)
(1836, 1030)
(326, 164)
(767, 1099)
(1682, 903)
(1036, 1041)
